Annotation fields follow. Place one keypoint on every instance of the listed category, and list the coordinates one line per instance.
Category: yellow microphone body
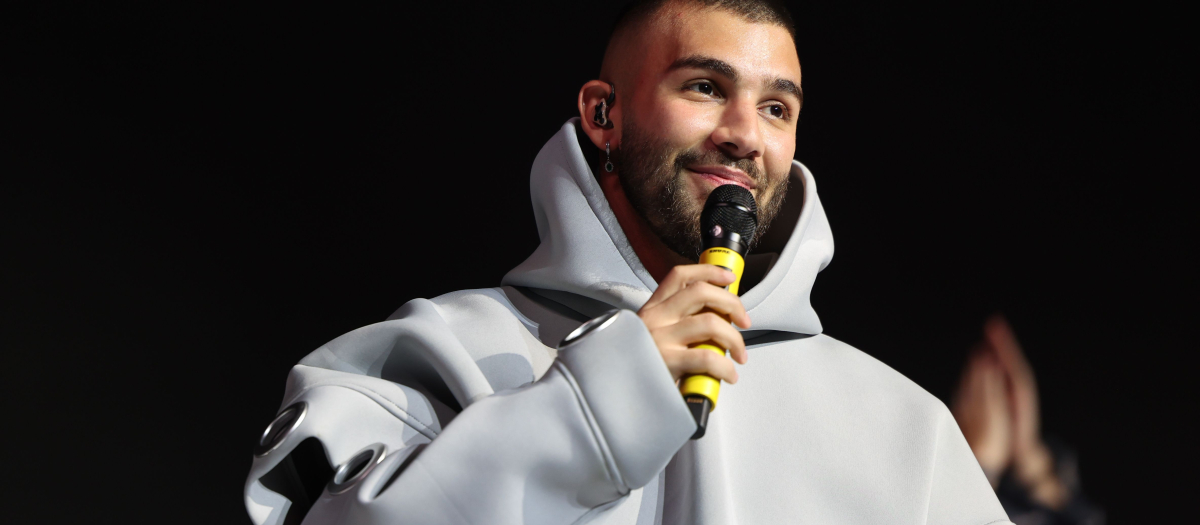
(704, 384)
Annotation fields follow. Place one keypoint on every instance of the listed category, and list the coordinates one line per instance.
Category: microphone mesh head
(731, 207)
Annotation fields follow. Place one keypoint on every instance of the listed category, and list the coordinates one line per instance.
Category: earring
(608, 165)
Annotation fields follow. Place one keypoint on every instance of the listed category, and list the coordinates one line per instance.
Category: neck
(654, 255)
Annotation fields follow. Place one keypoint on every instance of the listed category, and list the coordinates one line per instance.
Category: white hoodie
(461, 409)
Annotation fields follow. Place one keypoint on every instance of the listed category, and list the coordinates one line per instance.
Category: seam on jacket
(593, 512)
(582, 315)
(997, 521)
(610, 462)
(508, 304)
(937, 439)
(406, 418)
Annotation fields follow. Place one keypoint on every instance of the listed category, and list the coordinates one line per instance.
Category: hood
(584, 252)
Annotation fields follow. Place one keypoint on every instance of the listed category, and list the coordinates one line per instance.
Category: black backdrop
(194, 197)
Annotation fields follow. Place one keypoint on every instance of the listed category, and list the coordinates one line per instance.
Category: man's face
(715, 102)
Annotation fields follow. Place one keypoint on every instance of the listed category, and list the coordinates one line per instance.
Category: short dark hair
(754, 11)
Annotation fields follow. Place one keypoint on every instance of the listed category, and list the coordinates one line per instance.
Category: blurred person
(996, 405)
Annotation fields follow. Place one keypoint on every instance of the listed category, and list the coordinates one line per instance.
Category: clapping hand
(996, 407)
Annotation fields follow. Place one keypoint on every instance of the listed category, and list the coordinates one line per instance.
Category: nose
(737, 133)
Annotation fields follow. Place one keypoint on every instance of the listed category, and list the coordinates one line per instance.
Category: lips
(720, 175)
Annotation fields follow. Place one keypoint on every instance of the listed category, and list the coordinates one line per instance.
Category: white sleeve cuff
(639, 412)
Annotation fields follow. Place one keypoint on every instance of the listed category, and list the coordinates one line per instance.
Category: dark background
(194, 197)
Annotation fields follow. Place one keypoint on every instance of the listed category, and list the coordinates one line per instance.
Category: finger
(710, 327)
(682, 276)
(1021, 386)
(972, 369)
(691, 361)
(979, 361)
(994, 387)
(1000, 336)
(700, 296)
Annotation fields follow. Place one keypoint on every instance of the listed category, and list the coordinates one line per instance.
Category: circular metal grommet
(596, 324)
(279, 429)
(353, 471)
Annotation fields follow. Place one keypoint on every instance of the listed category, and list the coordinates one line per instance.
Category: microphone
(727, 226)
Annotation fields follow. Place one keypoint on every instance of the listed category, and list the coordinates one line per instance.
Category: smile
(719, 175)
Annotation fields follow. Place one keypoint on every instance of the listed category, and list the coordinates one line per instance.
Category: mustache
(693, 157)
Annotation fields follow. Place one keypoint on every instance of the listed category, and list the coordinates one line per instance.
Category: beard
(652, 175)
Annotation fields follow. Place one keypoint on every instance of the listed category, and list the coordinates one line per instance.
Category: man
(460, 409)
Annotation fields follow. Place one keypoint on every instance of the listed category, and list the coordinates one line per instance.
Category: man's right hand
(690, 306)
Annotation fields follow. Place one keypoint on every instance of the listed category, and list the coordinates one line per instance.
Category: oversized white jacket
(461, 408)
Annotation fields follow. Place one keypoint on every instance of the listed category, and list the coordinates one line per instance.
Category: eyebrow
(787, 86)
(724, 69)
(705, 62)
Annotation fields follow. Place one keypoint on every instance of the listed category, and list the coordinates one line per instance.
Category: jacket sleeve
(605, 419)
(959, 492)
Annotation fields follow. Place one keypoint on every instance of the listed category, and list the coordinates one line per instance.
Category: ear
(590, 96)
